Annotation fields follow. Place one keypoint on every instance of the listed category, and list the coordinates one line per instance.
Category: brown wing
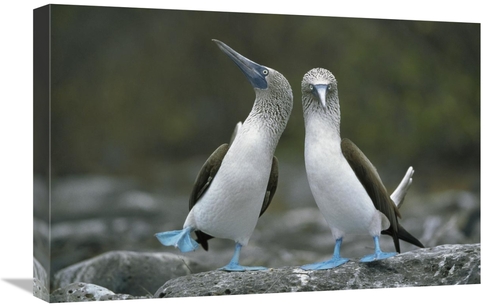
(272, 184)
(201, 184)
(207, 174)
(368, 176)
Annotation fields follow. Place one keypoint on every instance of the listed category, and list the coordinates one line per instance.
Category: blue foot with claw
(335, 261)
(178, 238)
(234, 265)
(378, 254)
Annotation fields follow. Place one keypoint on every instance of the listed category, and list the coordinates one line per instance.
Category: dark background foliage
(135, 89)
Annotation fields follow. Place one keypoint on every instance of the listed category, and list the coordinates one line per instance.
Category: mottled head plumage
(317, 76)
(278, 92)
(273, 105)
(273, 101)
(320, 95)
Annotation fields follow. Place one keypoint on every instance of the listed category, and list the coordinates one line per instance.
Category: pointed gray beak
(254, 72)
(319, 91)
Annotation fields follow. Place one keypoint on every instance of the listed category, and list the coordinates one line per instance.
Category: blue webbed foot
(234, 265)
(334, 262)
(378, 254)
(178, 238)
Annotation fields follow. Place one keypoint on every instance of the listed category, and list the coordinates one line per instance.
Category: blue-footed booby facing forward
(237, 182)
(345, 185)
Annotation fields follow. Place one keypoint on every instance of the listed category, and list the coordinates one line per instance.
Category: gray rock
(39, 290)
(442, 265)
(90, 196)
(95, 214)
(41, 242)
(126, 272)
(78, 240)
(82, 197)
(40, 281)
(40, 273)
(450, 216)
(83, 292)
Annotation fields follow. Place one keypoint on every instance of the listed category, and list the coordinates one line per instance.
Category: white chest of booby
(339, 194)
(236, 193)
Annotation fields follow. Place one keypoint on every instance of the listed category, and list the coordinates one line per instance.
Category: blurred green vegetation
(135, 88)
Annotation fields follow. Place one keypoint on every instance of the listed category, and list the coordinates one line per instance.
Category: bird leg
(335, 261)
(234, 265)
(378, 255)
(178, 238)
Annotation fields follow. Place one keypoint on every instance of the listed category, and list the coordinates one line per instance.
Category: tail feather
(202, 238)
(397, 197)
(178, 238)
(404, 235)
(399, 194)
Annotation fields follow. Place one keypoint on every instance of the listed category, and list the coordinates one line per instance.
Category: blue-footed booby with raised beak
(345, 185)
(237, 182)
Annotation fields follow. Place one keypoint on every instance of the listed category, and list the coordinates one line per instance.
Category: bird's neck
(265, 124)
(323, 121)
(269, 116)
(320, 128)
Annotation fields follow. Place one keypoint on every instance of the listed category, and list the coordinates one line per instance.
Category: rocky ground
(126, 275)
(103, 245)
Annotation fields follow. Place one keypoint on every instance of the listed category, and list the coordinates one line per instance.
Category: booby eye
(265, 72)
(311, 87)
(330, 87)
